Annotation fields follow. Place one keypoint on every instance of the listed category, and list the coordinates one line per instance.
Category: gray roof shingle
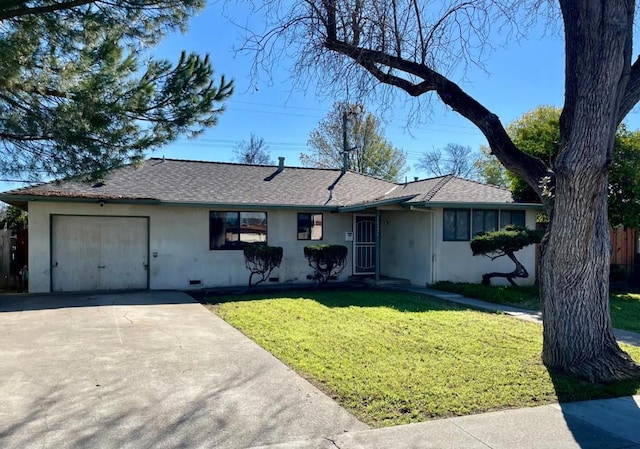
(182, 181)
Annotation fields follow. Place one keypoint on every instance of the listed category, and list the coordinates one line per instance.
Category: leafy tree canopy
(369, 152)
(538, 132)
(14, 218)
(489, 169)
(77, 94)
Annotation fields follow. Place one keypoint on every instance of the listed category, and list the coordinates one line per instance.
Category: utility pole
(344, 141)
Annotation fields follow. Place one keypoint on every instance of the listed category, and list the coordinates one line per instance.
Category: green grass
(625, 307)
(625, 311)
(395, 357)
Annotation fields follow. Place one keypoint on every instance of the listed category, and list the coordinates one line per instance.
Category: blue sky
(522, 75)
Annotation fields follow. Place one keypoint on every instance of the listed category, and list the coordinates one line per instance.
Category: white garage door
(99, 253)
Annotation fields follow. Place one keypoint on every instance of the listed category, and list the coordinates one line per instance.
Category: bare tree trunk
(578, 335)
(519, 272)
(574, 274)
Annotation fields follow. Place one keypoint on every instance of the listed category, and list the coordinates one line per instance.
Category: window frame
(239, 244)
(484, 213)
(470, 212)
(511, 211)
(311, 226)
(458, 213)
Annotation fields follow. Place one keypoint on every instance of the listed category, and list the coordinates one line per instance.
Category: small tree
(14, 218)
(505, 242)
(261, 260)
(253, 152)
(326, 260)
(453, 159)
(369, 152)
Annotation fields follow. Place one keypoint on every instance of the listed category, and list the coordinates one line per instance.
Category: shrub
(261, 260)
(505, 242)
(326, 260)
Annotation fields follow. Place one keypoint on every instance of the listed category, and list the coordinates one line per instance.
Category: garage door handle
(101, 266)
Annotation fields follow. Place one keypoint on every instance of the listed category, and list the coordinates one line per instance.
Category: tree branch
(527, 167)
(18, 12)
(632, 93)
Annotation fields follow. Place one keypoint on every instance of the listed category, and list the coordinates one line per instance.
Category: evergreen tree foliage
(505, 242)
(78, 94)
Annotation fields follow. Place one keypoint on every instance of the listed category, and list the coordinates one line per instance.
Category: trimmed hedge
(326, 260)
(509, 239)
(261, 260)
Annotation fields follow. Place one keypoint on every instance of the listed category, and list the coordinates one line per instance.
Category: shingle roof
(181, 181)
(457, 190)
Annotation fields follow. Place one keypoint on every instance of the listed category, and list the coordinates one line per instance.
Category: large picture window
(234, 230)
(309, 226)
(456, 224)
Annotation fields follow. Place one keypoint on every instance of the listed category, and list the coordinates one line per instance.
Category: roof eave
(476, 205)
(371, 204)
(23, 199)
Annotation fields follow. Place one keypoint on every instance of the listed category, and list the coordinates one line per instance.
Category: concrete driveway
(146, 370)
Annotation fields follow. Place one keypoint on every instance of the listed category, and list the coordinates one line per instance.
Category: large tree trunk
(574, 275)
(578, 336)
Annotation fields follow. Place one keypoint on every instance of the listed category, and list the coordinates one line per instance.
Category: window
(234, 230)
(484, 221)
(309, 226)
(515, 217)
(456, 224)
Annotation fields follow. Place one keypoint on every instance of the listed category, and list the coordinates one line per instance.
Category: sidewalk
(609, 423)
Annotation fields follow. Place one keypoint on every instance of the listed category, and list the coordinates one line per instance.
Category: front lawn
(394, 357)
(625, 307)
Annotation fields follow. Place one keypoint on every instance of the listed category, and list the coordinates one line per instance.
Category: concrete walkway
(628, 337)
(610, 424)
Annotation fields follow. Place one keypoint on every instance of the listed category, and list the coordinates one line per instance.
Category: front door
(364, 244)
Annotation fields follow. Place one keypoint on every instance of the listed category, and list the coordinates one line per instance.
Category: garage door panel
(99, 253)
(132, 248)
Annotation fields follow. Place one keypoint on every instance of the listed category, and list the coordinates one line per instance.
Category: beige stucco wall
(179, 244)
(405, 247)
(455, 262)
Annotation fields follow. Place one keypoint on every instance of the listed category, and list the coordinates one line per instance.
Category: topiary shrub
(261, 260)
(326, 260)
(505, 242)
